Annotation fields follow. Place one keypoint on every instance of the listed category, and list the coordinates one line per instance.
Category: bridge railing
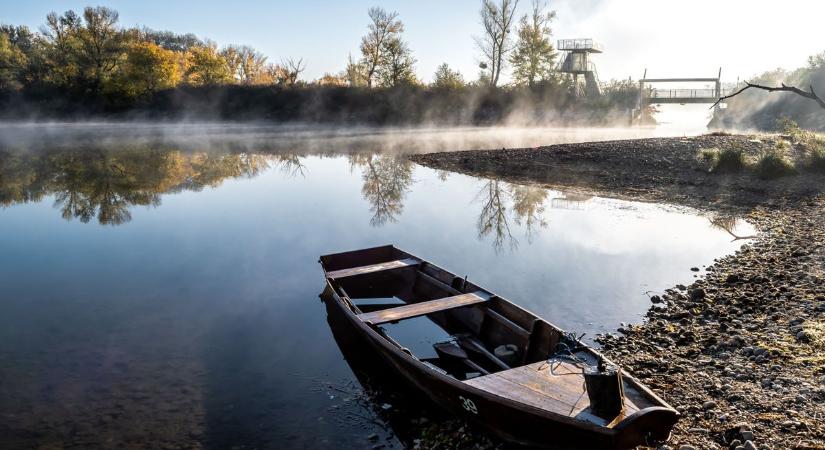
(684, 93)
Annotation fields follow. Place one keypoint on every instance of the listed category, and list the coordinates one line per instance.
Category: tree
(446, 78)
(170, 40)
(60, 33)
(494, 43)
(22, 56)
(101, 44)
(397, 64)
(146, 68)
(292, 70)
(384, 27)
(355, 73)
(12, 62)
(534, 56)
(245, 64)
(205, 66)
(329, 79)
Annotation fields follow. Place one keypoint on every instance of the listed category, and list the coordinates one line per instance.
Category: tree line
(87, 61)
(89, 53)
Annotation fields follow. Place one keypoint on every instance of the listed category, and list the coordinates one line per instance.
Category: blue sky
(669, 38)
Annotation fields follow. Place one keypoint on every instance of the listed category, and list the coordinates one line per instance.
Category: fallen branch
(809, 95)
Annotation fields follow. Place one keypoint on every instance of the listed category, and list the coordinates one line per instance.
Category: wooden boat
(505, 368)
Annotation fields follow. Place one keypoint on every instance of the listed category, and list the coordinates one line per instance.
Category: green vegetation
(774, 163)
(534, 57)
(811, 144)
(86, 65)
(797, 150)
(728, 160)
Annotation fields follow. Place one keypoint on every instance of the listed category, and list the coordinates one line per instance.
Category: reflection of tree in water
(528, 205)
(291, 165)
(729, 225)
(105, 183)
(387, 180)
(442, 174)
(493, 216)
(527, 208)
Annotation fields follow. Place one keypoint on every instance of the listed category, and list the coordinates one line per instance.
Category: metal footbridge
(650, 94)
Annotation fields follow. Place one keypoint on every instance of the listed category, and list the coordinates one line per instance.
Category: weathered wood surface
(420, 309)
(562, 393)
(389, 265)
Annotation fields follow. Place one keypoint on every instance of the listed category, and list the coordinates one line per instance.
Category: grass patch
(815, 157)
(774, 163)
(728, 160)
(719, 133)
(813, 144)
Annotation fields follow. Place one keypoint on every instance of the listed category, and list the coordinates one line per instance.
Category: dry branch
(809, 95)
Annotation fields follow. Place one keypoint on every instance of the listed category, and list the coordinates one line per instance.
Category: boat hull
(511, 421)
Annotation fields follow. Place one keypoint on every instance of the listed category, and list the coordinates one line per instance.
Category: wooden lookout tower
(576, 61)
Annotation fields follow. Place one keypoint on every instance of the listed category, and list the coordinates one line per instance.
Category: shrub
(812, 143)
(728, 160)
(816, 154)
(774, 163)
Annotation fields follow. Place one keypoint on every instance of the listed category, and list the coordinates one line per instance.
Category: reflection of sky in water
(198, 319)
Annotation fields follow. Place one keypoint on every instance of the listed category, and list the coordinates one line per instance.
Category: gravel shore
(740, 352)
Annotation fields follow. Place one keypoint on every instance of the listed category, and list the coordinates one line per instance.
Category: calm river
(159, 284)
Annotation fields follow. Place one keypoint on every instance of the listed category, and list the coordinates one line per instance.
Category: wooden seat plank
(421, 308)
(389, 265)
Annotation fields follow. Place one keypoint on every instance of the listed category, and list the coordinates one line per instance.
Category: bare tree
(293, 69)
(811, 95)
(497, 19)
(383, 28)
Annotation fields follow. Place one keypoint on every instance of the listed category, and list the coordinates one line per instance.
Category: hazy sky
(669, 38)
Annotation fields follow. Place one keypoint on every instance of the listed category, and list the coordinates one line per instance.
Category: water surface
(156, 296)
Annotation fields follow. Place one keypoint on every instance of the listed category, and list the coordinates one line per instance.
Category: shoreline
(741, 351)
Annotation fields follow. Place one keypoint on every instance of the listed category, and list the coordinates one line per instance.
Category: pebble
(805, 337)
(696, 294)
(708, 405)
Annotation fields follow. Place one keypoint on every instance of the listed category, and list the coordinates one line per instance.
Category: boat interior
(489, 343)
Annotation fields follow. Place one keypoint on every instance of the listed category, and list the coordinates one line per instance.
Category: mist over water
(316, 139)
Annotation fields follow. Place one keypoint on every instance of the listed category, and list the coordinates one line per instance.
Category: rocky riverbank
(741, 352)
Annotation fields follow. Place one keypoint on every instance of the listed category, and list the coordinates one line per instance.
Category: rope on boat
(564, 351)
